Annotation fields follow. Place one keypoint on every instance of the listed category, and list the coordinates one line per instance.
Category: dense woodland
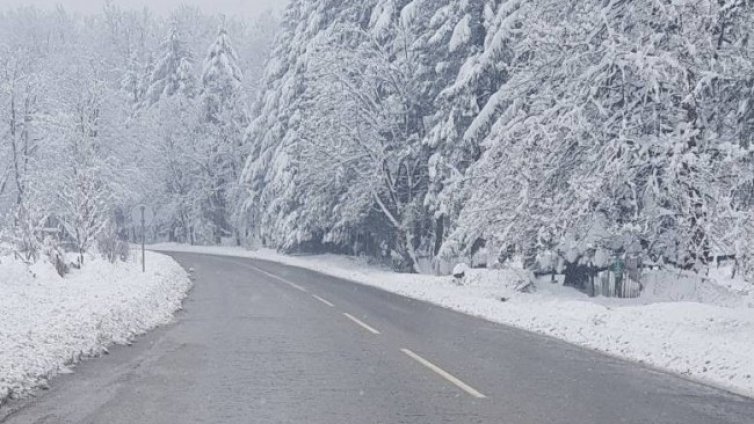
(102, 113)
(419, 132)
(431, 129)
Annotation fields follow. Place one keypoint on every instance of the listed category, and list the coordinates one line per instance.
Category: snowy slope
(49, 323)
(703, 332)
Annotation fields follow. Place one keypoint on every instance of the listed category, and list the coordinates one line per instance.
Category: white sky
(228, 7)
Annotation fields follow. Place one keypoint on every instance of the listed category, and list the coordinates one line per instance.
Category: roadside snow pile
(699, 328)
(49, 323)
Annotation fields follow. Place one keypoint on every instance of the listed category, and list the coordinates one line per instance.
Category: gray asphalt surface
(254, 345)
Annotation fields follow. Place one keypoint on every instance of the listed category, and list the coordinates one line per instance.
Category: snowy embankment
(49, 323)
(703, 329)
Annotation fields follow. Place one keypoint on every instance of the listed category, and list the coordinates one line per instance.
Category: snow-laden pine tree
(173, 120)
(221, 79)
(172, 73)
(145, 79)
(223, 115)
(271, 175)
(482, 36)
(131, 81)
(357, 130)
(447, 33)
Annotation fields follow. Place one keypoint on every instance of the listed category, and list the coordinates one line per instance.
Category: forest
(102, 113)
(556, 131)
(420, 133)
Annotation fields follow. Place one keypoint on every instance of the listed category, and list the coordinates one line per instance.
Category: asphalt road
(260, 342)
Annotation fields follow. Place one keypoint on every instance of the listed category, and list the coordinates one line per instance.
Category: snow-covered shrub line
(50, 323)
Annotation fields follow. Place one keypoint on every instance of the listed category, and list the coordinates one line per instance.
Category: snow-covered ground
(49, 323)
(703, 329)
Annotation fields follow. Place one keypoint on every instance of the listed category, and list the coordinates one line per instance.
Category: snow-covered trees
(221, 79)
(359, 132)
(273, 200)
(197, 128)
(223, 115)
(617, 120)
(99, 115)
(419, 131)
(86, 181)
(173, 73)
(24, 137)
(356, 78)
(63, 124)
(542, 127)
(169, 117)
(194, 117)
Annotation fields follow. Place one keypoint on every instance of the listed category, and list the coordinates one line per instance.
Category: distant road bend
(261, 342)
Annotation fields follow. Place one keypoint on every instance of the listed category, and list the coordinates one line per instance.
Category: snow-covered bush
(50, 323)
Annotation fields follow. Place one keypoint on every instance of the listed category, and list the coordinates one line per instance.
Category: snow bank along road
(267, 343)
(48, 323)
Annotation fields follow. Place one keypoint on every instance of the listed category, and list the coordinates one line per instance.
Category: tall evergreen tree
(132, 80)
(145, 79)
(173, 73)
(274, 199)
(223, 115)
(221, 79)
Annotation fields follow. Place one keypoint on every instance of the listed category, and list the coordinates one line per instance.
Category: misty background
(247, 8)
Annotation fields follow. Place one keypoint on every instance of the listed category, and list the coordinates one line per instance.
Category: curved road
(260, 342)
